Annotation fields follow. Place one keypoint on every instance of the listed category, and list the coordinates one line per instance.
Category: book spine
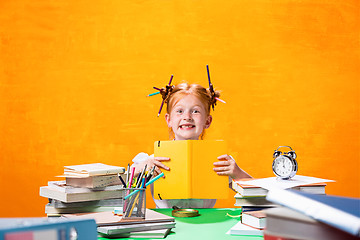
(60, 186)
(189, 168)
(48, 192)
(317, 210)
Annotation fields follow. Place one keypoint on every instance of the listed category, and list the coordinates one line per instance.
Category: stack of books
(87, 188)
(253, 202)
(155, 224)
(251, 223)
(311, 216)
(253, 197)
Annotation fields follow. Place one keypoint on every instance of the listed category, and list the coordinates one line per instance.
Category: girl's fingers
(221, 169)
(224, 157)
(227, 173)
(160, 165)
(222, 163)
(162, 159)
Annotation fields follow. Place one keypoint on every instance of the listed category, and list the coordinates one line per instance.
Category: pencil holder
(134, 203)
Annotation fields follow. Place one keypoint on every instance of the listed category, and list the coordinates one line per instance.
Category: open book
(191, 172)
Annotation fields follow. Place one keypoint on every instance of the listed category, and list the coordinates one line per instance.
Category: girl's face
(188, 118)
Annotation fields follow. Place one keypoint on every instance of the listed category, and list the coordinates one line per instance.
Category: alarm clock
(284, 165)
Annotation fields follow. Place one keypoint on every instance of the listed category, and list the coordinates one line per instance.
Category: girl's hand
(227, 166)
(151, 162)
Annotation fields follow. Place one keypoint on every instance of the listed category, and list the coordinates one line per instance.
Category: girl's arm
(227, 166)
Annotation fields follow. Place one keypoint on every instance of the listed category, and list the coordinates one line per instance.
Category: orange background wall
(74, 76)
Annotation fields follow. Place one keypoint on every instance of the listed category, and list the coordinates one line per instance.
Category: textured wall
(74, 76)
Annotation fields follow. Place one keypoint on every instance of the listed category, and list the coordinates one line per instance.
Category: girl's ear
(208, 121)
(167, 119)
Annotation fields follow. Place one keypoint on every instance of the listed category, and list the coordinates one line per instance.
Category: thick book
(46, 228)
(53, 193)
(52, 211)
(115, 231)
(92, 169)
(336, 211)
(112, 202)
(191, 174)
(248, 190)
(98, 181)
(241, 201)
(109, 219)
(283, 223)
(256, 219)
(242, 229)
(63, 187)
(160, 233)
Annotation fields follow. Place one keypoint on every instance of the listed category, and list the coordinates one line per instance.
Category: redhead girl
(188, 115)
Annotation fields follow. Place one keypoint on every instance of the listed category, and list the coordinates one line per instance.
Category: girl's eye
(196, 111)
(179, 111)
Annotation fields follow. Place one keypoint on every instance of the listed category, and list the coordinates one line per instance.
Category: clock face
(283, 166)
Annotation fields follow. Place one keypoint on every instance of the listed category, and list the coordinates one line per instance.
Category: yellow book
(191, 172)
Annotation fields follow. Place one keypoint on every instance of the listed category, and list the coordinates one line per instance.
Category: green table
(213, 223)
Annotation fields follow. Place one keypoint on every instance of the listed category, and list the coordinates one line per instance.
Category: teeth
(187, 126)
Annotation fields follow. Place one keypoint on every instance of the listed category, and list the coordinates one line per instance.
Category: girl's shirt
(169, 203)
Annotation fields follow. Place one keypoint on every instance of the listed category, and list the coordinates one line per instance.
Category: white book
(61, 186)
(98, 181)
(114, 230)
(160, 233)
(256, 219)
(92, 169)
(50, 210)
(242, 229)
(52, 193)
(241, 201)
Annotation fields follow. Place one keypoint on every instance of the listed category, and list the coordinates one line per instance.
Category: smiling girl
(188, 115)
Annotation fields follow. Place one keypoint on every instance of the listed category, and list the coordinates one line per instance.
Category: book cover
(339, 212)
(289, 224)
(191, 172)
(46, 228)
(92, 169)
(242, 229)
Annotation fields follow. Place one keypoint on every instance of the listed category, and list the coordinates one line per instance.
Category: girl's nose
(187, 115)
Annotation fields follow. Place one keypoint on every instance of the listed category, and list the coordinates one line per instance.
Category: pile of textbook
(92, 187)
(251, 197)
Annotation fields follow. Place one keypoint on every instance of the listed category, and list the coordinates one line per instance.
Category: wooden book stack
(86, 188)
